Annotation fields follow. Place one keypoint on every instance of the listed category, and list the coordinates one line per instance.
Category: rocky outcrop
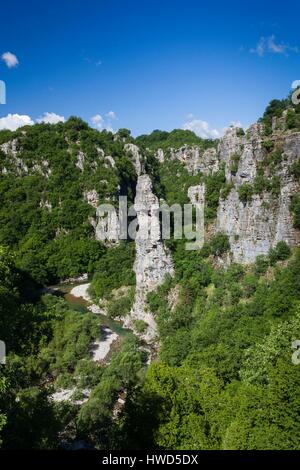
(107, 228)
(80, 160)
(109, 162)
(256, 226)
(92, 197)
(160, 155)
(153, 263)
(137, 158)
(196, 160)
(10, 149)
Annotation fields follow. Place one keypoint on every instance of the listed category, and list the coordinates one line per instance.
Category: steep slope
(250, 182)
(52, 178)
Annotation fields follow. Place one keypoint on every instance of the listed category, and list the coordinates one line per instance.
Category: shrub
(235, 159)
(120, 307)
(281, 252)
(245, 192)
(261, 265)
(292, 120)
(225, 191)
(219, 244)
(268, 145)
(295, 169)
(140, 326)
(295, 209)
(240, 132)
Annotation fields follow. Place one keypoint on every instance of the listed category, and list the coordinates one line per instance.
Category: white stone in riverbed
(102, 347)
(66, 395)
(81, 291)
(96, 309)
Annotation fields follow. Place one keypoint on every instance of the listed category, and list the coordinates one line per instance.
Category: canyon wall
(153, 262)
(256, 225)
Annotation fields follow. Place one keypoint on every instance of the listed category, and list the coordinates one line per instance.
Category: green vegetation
(260, 184)
(214, 184)
(225, 379)
(293, 118)
(140, 326)
(114, 270)
(44, 217)
(174, 139)
(235, 159)
(120, 304)
(48, 348)
(295, 209)
(276, 108)
(240, 132)
(279, 253)
(245, 192)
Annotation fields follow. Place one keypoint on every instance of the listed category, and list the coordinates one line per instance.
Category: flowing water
(79, 304)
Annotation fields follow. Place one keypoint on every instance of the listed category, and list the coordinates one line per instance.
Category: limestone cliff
(152, 262)
(260, 223)
(255, 225)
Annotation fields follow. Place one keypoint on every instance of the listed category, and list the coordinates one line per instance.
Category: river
(79, 304)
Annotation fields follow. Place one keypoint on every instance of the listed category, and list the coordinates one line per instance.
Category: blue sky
(154, 64)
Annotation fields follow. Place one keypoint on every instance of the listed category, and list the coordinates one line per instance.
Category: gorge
(221, 318)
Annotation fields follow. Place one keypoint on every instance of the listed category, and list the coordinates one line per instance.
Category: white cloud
(111, 115)
(89, 60)
(14, 121)
(10, 59)
(51, 118)
(201, 128)
(269, 45)
(295, 84)
(97, 121)
(101, 124)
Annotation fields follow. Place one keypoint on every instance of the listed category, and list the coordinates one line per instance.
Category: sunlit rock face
(256, 226)
(137, 158)
(195, 159)
(153, 263)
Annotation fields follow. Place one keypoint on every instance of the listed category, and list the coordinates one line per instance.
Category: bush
(114, 269)
(292, 120)
(268, 145)
(281, 252)
(235, 159)
(140, 326)
(219, 244)
(295, 170)
(245, 192)
(295, 209)
(225, 191)
(261, 265)
(120, 307)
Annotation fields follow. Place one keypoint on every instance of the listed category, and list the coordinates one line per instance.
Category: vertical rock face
(196, 195)
(137, 159)
(80, 160)
(265, 219)
(195, 160)
(256, 226)
(152, 262)
(10, 149)
(107, 228)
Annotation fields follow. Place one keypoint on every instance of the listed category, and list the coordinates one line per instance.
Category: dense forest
(222, 377)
